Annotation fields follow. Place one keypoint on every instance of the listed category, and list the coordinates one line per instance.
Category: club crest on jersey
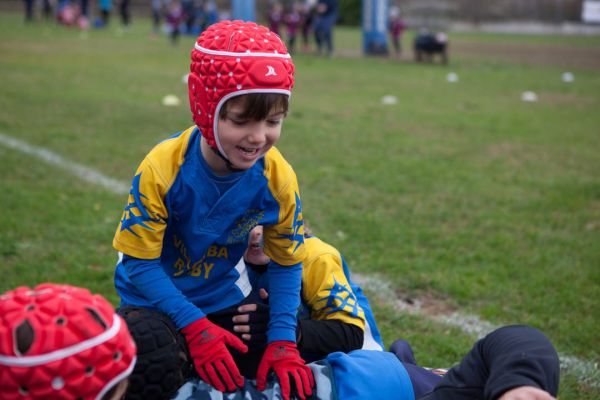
(244, 225)
(297, 235)
(135, 212)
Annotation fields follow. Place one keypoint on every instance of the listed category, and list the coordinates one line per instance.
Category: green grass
(460, 191)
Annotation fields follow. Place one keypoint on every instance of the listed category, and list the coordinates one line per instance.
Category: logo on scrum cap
(268, 72)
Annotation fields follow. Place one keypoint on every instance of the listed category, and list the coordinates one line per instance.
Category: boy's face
(244, 141)
(254, 253)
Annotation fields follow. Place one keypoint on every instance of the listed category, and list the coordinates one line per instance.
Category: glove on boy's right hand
(283, 358)
(207, 344)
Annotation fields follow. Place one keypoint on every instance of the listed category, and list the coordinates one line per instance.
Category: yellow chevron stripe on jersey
(146, 208)
(331, 298)
(284, 243)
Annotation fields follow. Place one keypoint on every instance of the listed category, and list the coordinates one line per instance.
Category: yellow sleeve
(143, 222)
(284, 241)
(326, 291)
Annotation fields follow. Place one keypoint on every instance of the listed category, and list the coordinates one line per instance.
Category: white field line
(84, 173)
(585, 371)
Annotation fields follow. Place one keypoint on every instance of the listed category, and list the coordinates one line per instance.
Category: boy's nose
(256, 133)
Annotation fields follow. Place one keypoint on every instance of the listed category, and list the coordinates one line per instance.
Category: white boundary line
(585, 371)
(84, 173)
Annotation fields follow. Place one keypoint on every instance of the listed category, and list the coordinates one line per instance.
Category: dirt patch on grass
(429, 303)
(567, 99)
(529, 53)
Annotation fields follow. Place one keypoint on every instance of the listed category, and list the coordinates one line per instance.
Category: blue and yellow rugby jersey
(328, 293)
(175, 213)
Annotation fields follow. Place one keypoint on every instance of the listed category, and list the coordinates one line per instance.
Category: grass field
(460, 195)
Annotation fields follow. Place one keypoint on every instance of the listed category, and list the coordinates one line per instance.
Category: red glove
(283, 357)
(207, 344)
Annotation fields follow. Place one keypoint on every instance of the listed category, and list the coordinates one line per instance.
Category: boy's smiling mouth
(247, 151)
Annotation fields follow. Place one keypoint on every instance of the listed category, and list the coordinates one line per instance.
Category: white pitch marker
(529, 96)
(567, 77)
(171, 100)
(389, 100)
(452, 77)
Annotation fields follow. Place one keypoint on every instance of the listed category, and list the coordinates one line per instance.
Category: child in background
(292, 22)
(396, 27)
(62, 342)
(306, 20)
(175, 17)
(197, 195)
(275, 17)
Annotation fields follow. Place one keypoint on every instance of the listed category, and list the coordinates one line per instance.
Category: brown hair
(257, 106)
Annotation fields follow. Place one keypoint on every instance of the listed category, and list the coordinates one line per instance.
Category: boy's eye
(239, 122)
(274, 122)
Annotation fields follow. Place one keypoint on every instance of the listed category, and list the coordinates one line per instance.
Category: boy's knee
(163, 363)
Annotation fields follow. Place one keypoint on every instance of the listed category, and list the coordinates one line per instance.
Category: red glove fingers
(283, 357)
(208, 347)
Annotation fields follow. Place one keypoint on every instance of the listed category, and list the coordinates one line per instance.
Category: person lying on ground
(511, 363)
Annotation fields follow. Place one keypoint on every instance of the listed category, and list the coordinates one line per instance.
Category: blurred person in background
(175, 18)
(306, 24)
(325, 19)
(275, 17)
(157, 14)
(396, 28)
(105, 8)
(125, 13)
(292, 20)
(47, 8)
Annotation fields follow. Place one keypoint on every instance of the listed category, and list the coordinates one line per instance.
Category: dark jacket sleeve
(507, 358)
(323, 337)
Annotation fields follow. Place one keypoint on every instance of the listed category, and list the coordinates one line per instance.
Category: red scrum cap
(232, 58)
(61, 342)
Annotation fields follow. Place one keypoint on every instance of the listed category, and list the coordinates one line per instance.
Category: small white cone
(568, 77)
(529, 96)
(389, 100)
(184, 79)
(452, 77)
(171, 100)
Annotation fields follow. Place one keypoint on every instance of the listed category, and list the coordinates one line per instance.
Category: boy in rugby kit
(196, 196)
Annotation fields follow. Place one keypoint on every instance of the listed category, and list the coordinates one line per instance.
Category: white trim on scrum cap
(114, 381)
(31, 361)
(235, 94)
(247, 53)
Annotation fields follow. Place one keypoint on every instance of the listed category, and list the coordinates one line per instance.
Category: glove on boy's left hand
(207, 344)
(283, 357)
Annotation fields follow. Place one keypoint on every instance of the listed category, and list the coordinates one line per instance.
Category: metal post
(374, 26)
(243, 10)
